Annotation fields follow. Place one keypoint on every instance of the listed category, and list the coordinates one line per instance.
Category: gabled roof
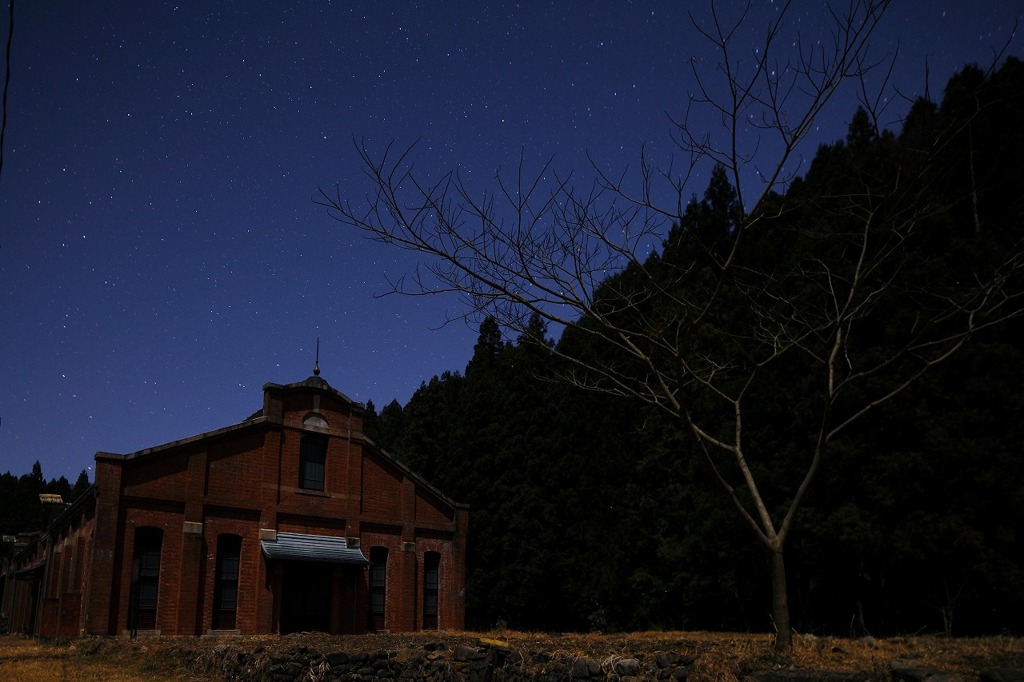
(316, 383)
(248, 423)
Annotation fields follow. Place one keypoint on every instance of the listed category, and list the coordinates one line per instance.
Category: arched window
(378, 585)
(316, 420)
(431, 576)
(145, 578)
(225, 586)
(312, 456)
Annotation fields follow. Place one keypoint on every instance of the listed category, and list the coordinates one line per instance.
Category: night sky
(161, 257)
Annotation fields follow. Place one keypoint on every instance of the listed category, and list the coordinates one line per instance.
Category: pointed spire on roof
(316, 365)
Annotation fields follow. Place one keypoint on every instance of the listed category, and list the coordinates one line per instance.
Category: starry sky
(161, 256)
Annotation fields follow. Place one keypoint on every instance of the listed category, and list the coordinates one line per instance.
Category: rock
(585, 668)
(292, 668)
(680, 674)
(808, 676)
(1001, 675)
(627, 667)
(905, 670)
(666, 659)
(337, 658)
(464, 653)
(946, 677)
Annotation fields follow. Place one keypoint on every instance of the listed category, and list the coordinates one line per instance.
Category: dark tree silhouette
(831, 284)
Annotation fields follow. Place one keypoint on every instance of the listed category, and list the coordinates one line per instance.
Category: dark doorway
(306, 597)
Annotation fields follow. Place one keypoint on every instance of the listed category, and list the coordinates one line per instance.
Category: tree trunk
(780, 602)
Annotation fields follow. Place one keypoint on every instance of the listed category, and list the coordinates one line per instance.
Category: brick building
(290, 520)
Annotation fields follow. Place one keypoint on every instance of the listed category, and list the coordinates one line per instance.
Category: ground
(718, 656)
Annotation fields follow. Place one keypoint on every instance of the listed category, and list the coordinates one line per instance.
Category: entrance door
(306, 597)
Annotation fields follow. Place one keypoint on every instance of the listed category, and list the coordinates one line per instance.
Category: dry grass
(729, 656)
(25, 660)
(719, 657)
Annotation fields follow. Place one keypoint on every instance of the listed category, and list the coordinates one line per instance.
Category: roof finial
(316, 365)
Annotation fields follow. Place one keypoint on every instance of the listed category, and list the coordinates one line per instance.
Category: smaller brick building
(290, 520)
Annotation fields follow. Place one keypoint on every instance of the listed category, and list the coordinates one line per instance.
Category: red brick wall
(449, 583)
(171, 523)
(390, 539)
(103, 596)
(163, 475)
(381, 490)
(431, 512)
(23, 604)
(234, 474)
(340, 416)
(252, 576)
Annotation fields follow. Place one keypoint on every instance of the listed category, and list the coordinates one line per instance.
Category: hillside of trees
(20, 509)
(594, 511)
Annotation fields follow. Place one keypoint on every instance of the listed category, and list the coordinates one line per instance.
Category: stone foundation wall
(489, 661)
(495, 661)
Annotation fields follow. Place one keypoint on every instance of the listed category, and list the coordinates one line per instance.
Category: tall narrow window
(312, 455)
(225, 588)
(378, 585)
(431, 571)
(145, 578)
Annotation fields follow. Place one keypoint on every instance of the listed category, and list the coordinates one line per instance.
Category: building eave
(413, 476)
(247, 424)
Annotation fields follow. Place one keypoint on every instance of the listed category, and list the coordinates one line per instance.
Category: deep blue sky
(161, 257)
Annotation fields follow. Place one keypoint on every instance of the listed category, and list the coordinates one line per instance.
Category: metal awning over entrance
(37, 566)
(302, 547)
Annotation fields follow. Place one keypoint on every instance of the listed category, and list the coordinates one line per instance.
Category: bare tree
(697, 338)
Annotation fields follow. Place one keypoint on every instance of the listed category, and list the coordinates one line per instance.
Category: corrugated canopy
(38, 565)
(302, 547)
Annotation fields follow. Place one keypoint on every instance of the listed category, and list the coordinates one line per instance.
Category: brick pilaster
(103, 587)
